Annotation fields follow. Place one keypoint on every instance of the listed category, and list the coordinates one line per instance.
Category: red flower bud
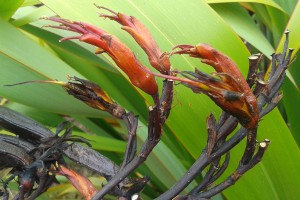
(220, 62)
(118, 51)
(227, 87)
(81, 183)
(160, 61)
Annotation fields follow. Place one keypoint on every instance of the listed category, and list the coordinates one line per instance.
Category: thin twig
(131, 122)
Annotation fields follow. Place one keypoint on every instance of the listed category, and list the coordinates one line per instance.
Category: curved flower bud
(210, 56)
(81, 183)
(118, 51)
(227, 93)
(160, 61)
(226, 87)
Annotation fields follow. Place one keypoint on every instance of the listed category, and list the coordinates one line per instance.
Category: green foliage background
(29, 51)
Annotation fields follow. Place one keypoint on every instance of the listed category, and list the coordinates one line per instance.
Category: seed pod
(89, 93)
(94, 96)
(117, 50)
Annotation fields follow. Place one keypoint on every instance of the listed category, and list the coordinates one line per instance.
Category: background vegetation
(29, 51)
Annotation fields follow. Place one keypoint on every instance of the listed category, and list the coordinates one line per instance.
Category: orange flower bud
(220, 62)
(227, 87)
(81, 183)
(231, 75)
(160, 61)
(118, 51)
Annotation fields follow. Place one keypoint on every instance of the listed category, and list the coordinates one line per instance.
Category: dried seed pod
(117, 50)
(94, 96)
(88, 92)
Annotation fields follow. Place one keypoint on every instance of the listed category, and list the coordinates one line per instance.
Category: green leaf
(277, 22)
(293, 26)
(292, 95)
(290, 91)
(288, 6)
(238, 18)
(8, 8)
(291, 78)
(101, 143)
(84, 123)
(31, 2)
(266, 2)
(33, 15)
(279, 157)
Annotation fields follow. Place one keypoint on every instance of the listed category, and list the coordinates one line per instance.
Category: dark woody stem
(131, 122)
(250, 146)
(213, 174)
(157, 116)
(242, 169)
(150, 143)
(200, 164)
(253, 67)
